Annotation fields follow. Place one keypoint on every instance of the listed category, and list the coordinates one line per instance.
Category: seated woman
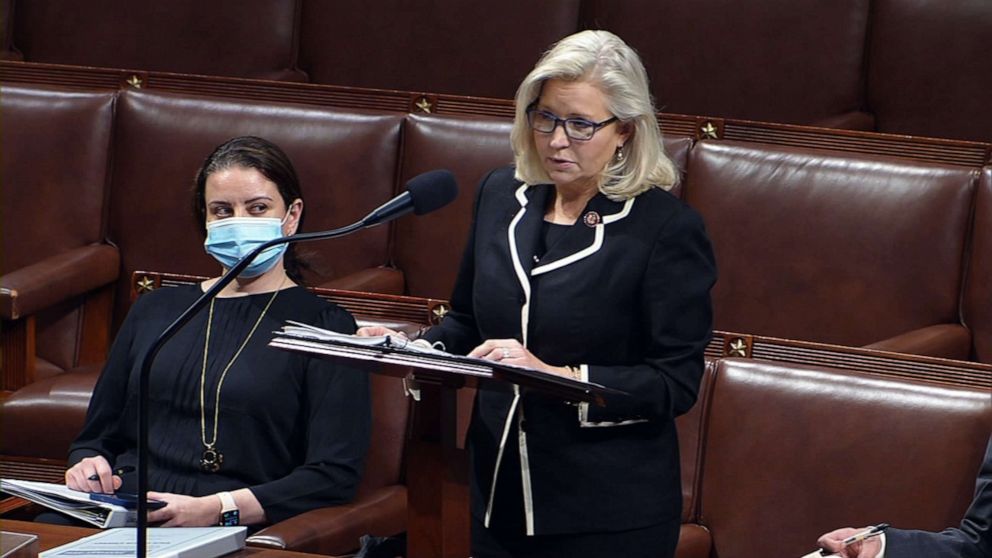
(235, 426)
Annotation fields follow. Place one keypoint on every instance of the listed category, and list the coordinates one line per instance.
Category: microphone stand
(146, 362)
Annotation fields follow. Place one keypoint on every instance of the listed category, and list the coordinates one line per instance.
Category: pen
(866, 534)
(119, 471)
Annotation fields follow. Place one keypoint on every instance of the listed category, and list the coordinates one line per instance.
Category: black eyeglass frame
(596, 126)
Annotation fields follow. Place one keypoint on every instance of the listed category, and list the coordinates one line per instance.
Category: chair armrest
(337, 530)
(695, 541)
(943, 341)
(385, 280)
(42, 418)
(43, 284)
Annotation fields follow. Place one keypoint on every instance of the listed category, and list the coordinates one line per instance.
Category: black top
(623, 294)
(293, 429)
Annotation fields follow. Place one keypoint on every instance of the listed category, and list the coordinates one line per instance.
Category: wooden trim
(895, 365)
(416, 310)
(32, 468)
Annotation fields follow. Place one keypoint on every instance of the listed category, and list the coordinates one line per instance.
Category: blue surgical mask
(230, 239)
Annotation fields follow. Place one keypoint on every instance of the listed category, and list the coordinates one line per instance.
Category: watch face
(229, 518)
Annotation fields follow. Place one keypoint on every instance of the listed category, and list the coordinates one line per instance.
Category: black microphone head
(432, 190)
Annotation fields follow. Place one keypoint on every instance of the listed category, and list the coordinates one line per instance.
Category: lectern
(437, 466)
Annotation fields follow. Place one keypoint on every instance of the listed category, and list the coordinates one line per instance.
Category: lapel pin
(591, 219)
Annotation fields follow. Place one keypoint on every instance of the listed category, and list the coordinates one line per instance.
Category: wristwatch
(229, 514)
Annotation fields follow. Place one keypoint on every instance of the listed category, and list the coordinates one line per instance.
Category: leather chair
(429, 249)
(837, 248)
(791, 452)
(241, 38)
(926, 59)
(976, 307)
(777, 60)
(445, 46)
(346, 162)
(55, 270)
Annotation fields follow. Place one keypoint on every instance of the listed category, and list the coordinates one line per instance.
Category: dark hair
(267, 158)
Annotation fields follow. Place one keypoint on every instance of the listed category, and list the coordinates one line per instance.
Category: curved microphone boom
(424, 193)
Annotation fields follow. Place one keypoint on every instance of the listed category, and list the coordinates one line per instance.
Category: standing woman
(240, 433)
(580, 263)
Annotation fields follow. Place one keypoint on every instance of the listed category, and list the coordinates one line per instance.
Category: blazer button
(522, 300)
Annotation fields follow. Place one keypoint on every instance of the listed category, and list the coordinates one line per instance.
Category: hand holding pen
(94, 474)
(852, 543)
(118, 472)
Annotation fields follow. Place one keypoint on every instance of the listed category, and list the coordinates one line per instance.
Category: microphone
(424, 193)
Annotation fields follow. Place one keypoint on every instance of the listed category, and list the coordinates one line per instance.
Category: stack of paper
(163, 542)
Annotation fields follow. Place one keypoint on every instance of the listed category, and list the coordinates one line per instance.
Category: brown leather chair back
(428, 249)
(977, 300)
(443, 46)
(242, 38)
(346, 161)
(929, 68)
(830, 247)
(807, 450)
(56, 148)
(778, 60)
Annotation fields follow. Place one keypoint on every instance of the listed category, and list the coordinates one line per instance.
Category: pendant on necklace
(211, 460)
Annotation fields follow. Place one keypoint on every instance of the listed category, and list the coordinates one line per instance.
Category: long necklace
(211, 459)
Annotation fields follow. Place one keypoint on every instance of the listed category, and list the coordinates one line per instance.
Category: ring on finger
(505, 354)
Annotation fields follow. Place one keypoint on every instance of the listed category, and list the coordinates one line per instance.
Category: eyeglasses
(578, 129)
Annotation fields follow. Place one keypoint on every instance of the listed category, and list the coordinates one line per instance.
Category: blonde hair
(604, 60)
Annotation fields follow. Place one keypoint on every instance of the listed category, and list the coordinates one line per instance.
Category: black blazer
(973, 539)
(624, 294)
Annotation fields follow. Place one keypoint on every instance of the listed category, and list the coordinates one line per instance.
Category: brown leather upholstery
(695, 541)
(977, 300)
(243, 38)
(429, 248)
(830, 247)
(444, 46)
(806, 450)
(43, 418)
(777, 60)
(56, 148)
(929, 68)
(345, 160)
